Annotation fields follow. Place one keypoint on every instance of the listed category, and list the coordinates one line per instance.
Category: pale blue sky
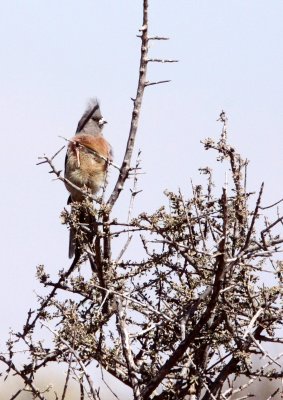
(55, 54)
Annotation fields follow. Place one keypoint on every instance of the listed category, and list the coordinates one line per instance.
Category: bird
(88, 155)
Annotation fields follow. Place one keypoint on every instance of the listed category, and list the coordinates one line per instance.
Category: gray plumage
(91, 121)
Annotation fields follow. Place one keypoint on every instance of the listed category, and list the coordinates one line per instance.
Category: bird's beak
(102, 122)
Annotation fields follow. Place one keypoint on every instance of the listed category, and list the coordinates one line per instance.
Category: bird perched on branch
(86, 160)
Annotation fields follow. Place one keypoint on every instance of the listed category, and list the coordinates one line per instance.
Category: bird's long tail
(82, 232)
(72, 243)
